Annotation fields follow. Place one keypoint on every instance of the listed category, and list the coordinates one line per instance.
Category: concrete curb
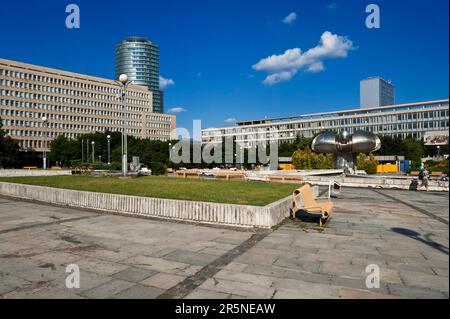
(36, 172)
(192, 211)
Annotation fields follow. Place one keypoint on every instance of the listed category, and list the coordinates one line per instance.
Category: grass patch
(217, 191)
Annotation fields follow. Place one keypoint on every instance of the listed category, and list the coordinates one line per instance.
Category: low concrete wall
(201, 212)
(379, 182)
(32, 172)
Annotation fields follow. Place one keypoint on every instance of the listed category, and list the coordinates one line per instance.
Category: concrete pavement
(405, 234)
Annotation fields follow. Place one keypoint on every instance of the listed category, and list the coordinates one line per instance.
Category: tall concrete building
(139, 59)
(376, 92)
(417, 120)
(72, 104)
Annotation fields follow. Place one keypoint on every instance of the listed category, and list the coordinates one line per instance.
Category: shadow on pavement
(424, 239)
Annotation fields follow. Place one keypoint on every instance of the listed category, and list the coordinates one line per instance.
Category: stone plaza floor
(404, 233)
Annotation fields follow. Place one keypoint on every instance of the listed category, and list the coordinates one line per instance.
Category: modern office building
(376, 92)
(139, 59)
(73, 104)
(401, 120)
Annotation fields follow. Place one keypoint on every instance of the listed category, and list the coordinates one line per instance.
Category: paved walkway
(404, 233)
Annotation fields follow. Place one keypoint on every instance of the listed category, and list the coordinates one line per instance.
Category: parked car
(144, 171)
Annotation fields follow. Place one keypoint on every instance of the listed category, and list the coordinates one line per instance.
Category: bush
(367, 164)
(157, 168)
(115, 166)
(371, 165)
(441, 166)
(307, 159)
(100, 166)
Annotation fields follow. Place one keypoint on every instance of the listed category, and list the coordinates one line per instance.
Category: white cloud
(291, 17)
(279, 77)
(316, 67)
(230, 120)
(163, 83)
(284, 66)
(176, 110)
(332, 6)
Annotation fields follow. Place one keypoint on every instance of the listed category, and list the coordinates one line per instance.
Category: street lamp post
(87, 151)
(123, 82)
(93, 152)
(109, 149)
(44, 125)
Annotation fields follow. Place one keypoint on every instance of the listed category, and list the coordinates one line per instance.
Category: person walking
(424, 177)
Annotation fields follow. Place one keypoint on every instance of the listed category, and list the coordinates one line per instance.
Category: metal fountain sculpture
(346, 146)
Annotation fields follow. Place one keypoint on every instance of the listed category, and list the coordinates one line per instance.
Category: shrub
(307, 159)
(157, 168)
(368, 164)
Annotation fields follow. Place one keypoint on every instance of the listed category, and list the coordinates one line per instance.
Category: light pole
(109, 149)
(93, 152)
(44, 125)
(438, 151)
(123, 82)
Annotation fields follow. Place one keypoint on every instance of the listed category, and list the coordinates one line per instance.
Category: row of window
(74, 117)
(105, 88)
(418, 116)
(157, 118)
(88, 100)
(39, 123)
(158, 125)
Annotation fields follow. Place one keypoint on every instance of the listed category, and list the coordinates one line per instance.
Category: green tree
(409, 147)
(63, 150)
(307, 159)
(367, 163)
(9, 150)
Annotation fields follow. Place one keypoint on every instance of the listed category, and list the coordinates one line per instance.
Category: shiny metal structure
(345, 146)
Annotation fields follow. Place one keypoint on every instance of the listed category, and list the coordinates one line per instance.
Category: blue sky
(211, 50)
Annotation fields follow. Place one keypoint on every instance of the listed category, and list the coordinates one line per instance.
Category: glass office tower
(139, 59)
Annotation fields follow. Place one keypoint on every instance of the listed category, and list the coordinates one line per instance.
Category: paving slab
(404, 233)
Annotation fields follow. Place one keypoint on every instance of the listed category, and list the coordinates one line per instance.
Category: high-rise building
(376, 92)
(73, 104)
(139, 59)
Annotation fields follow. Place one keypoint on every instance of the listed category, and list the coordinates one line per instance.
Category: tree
(69, 152)
(9, 150)
(411, 148)
(63, 150)
(307, 159)
(367, 163)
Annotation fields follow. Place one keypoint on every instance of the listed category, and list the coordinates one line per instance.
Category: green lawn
(219, 191)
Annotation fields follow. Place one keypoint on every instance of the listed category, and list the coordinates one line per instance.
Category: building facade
(376, 92)
(139, 59)
(402, 120)
(74, 104)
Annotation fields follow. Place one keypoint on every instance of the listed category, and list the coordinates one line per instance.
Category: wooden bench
(414, 173)
(437, 174)
(291, 179)
(230, 176)
(187, 174)
(30, 167)
(310, 204)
